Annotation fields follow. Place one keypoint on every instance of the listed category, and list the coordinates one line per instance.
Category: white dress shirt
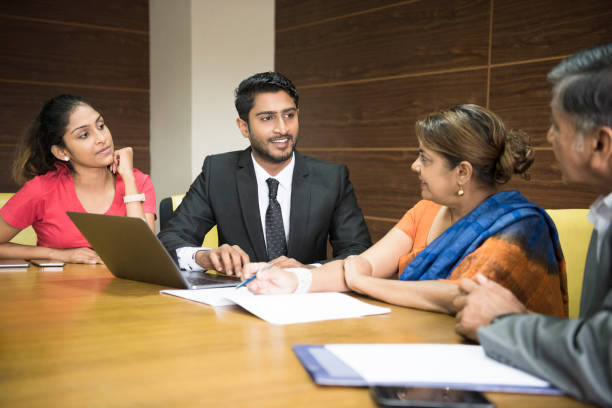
(600, 215)
(186, 255)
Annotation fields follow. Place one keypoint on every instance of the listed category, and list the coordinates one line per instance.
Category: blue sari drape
(507, 211)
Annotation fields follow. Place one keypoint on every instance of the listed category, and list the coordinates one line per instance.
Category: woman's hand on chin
(77, 255)
(123, 162)
(356, 268)
(273, 280)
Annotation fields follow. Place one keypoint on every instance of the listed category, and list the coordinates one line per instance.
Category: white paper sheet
(212, 296)
(285, 309)
(429, 364)
(307, 307)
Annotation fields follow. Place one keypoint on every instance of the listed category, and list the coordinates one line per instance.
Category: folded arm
(435, 296)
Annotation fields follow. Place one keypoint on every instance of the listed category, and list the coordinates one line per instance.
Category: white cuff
(304, 277)
(186, 258)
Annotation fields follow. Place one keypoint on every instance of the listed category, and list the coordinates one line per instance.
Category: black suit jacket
(323, 204)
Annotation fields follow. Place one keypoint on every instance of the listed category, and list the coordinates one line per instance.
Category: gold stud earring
(460, 193)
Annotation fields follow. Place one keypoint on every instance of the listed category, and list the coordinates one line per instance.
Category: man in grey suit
(269, 202)
(574, 355)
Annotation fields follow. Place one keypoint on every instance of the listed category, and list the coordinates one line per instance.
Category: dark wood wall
(367, 70)
(98, 49)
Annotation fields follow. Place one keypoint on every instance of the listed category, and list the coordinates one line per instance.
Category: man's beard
(261, 151)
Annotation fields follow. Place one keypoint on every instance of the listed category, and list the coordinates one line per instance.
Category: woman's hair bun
(516, 157)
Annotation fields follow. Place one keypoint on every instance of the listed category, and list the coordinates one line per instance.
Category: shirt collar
(284, 177)
(600, 214)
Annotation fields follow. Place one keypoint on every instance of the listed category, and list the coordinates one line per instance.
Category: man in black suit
(269, 202)
(574, 355)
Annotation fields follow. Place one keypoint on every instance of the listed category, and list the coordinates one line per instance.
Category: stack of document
(285, 309)
(455, 366)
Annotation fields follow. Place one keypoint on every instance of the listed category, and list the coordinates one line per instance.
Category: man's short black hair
(583, 87)
(259, 83)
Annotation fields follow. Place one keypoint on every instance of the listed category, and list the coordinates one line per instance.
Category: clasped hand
(480, 302)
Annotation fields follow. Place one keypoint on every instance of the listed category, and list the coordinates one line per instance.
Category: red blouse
(43, 201)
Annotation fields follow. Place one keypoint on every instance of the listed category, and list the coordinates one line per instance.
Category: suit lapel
(249, 204)
(300, 207)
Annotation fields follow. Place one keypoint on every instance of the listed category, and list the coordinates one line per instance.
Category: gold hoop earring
(460, 193)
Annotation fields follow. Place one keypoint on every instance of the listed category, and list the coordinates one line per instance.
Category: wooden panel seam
(359, 149)
(373, 218)
(529, 61)
(353, 14)
(381, 149)
(438, 72)
(392, 77)
(69, 23)
(67, 84)
(488, 92)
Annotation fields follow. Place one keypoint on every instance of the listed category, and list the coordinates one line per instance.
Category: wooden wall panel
(546, 187)
(290, 12)
(382, 113)
(532, 29)
(132, 15)
(378, 228)
(367, 71)
(46, 52)
(520, 94)
(384, 184)
(391, 41)
(142, 159)
(7, 153)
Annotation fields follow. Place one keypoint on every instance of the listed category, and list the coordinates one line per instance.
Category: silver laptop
(131, 250)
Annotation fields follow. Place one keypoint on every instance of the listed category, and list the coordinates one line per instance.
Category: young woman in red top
(68, 162)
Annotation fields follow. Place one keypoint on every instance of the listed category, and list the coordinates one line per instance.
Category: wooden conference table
(83, 338)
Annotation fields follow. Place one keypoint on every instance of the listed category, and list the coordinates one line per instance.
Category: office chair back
(167, 206)
(575, 234)
(26, 236)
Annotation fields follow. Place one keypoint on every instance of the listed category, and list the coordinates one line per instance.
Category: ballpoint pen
(246, 282)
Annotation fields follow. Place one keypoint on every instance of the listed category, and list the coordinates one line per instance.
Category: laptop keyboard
(201, 279)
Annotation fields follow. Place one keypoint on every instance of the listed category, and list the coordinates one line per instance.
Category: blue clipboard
(325, 368)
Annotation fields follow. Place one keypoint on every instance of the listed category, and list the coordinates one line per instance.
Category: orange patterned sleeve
(506, 263)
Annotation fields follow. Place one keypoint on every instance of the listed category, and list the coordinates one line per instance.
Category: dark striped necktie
(275, 231)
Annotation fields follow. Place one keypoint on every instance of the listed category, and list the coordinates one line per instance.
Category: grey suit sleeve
(572, 354)
(192, 219)
(349, 233)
